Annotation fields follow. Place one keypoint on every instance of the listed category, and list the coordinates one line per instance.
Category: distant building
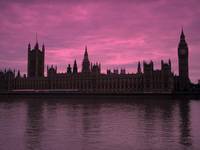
(92, 80)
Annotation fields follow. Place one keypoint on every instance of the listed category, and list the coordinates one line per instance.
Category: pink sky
(118, 33)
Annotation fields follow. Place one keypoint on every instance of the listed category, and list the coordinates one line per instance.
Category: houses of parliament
(90, 79)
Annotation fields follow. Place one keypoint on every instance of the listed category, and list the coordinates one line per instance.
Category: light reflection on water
(99, 124)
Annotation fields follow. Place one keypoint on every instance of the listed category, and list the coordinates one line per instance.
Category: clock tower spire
(183, 63)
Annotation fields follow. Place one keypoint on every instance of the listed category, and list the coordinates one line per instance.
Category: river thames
(99, 124)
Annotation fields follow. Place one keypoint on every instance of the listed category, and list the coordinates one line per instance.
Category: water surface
(100, 124)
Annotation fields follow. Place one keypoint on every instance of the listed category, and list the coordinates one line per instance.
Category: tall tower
(86, 62)
(183, 63)
(36, 61)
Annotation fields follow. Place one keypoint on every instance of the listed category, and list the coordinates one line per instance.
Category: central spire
(86, 62)
(86, 53)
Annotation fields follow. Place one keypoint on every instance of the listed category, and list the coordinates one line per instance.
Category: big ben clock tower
(183, 63)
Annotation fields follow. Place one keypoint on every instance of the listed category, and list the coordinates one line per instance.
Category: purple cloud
(118, 33)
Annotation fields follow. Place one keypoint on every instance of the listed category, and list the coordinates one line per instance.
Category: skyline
(152, 32)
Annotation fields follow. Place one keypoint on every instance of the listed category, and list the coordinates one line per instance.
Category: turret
(139, 68)
(69, 69)
(116, 71)
(123, 71)
(108, 71)
(51, 71)
(29, 47)
(169, 63)
(95, 68)
(43, 48)
(166, 66)
(75, 68)
(18, 74)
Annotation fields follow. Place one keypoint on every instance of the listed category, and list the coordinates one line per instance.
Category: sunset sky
(118, 33)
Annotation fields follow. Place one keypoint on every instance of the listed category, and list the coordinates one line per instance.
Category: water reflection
(103, 124)
(34, 124)
(158, 123)
(185, 135)
(90, 125)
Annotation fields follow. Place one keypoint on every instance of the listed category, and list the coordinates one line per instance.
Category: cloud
(118, 33)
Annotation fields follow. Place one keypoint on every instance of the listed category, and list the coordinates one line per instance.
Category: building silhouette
(36, 61)
(86, 62)
(91, 80)
(183, 63)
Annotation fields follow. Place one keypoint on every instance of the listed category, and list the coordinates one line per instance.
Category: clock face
(183, 51)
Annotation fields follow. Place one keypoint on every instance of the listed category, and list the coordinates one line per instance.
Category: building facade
(183, 63)
(91, 80)
(36, 58)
